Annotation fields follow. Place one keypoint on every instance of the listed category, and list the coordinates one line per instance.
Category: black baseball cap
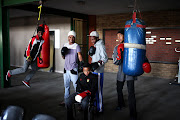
(87, 65)
(121, 31)
(40, 29)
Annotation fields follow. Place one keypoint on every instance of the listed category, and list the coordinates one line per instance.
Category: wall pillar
(92, 27)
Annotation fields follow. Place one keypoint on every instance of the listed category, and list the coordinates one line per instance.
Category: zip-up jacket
(89, 82)
(100, 55)
(34, 48)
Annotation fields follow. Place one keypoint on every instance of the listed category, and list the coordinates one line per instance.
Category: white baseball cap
(72, 32)
(94, 33)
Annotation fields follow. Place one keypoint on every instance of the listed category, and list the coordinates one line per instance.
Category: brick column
(92, 27)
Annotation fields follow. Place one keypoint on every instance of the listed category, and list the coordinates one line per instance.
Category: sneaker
(101, 111)
(118, 108)
(26, 84)
(133, 118)
(8, 76)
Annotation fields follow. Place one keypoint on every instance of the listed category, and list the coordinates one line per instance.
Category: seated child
(87, 83)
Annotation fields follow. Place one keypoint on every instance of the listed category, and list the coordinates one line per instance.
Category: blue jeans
(70, 75)
(24, 69)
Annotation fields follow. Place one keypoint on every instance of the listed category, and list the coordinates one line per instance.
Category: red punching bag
(43, 61)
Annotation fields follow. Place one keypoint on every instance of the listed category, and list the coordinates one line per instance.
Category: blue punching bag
(134, 47)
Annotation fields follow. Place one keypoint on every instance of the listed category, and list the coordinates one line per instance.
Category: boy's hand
(82, 95)
(92, 51)
(64, 51)
(95, 65)
(120, 49)
(28, 59)
(81, 66)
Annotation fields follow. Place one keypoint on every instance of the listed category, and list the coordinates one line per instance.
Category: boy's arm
(79, 53)
(28, 49)
(103, 54)
(114, 56)
(79, 86)
(103, 59)
(80, 56)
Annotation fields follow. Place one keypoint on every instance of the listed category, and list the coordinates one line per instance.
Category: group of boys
(91, 79)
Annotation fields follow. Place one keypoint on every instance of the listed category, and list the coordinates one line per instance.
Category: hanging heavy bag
(134, 47)
(43, 61)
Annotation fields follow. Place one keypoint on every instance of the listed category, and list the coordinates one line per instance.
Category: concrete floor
(156, 99)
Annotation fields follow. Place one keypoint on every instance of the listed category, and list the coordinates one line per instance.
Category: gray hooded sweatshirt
(100, 54)
(120, 75)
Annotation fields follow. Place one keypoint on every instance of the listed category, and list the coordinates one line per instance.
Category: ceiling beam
(52, 11)
(16, 2)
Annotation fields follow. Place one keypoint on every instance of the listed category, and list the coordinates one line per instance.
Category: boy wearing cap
(121, 78)
(71, 51)
(99, 57)
(86, 83)
(30, 57)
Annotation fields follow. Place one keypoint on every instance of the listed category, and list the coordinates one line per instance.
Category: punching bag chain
(39, 12)
(135, 6)
(136, 9)
(39, 15)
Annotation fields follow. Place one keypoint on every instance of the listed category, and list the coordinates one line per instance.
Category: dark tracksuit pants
(131, 96)
(69, 105)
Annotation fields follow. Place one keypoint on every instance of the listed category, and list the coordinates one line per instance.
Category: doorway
(80, 26)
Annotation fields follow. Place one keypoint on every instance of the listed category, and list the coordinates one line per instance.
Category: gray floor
(156, 99)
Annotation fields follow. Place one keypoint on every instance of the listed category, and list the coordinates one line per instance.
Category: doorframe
(56, 44)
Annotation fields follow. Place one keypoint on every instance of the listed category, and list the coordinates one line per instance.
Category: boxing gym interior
(157, 92)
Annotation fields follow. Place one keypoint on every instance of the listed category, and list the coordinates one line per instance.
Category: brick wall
(158, 19)
(160, 44)
(167, 71)
(169, 18)
(110, 41)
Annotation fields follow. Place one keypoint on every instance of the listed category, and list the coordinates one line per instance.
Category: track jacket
(89, 82)
(100, 54)
(34, 48)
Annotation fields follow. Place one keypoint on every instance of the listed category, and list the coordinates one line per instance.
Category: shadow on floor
(156, 99)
